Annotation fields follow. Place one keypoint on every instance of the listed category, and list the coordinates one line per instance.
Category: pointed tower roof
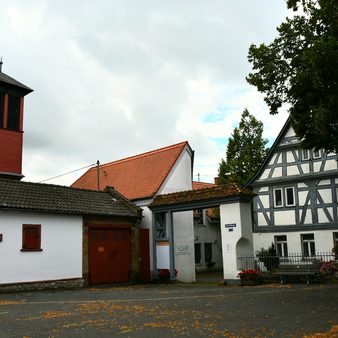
(10, 82)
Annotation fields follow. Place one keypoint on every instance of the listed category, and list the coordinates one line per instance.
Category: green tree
(300, 68)
(245, 151)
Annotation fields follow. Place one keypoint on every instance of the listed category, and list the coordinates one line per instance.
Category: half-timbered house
(296, 203)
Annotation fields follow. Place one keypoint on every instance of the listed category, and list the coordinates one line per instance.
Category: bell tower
(12, 94)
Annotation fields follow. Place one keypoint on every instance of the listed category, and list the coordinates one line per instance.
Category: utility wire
(69, 172)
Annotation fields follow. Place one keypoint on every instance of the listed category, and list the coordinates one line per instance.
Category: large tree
(245, 151)
(300, 68)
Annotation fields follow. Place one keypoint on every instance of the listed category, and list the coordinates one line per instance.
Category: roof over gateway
(136, 177)
(27, 196)
(201, 198)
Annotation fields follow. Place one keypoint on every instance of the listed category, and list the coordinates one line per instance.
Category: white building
(296, 203)
(143, 177)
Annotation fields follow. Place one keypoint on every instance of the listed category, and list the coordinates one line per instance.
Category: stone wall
(44, 285)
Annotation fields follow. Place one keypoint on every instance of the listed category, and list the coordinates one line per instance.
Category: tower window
(2, 108)
(13, 121)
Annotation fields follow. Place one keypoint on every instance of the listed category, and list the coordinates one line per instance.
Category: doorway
(109, 255)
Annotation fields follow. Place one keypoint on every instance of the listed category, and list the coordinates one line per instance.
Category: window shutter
(31, 237)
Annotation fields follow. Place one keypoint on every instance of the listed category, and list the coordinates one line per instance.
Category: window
(305, 154)
(316, 154)
(198, 217)
(208, 252)
(281, 245)
(197, 253)
(31, 237)
(2, 108)
(278, 195)
(335, 239)
(308, 245)
(290, 196)
(13, 121)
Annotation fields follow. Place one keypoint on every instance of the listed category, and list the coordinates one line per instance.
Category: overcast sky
(115, 78)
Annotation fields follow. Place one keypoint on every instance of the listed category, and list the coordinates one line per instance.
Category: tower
(12, 94)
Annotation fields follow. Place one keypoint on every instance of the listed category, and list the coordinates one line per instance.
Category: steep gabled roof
(4, 78)
(27, 196)
(136, 177)
(271, 151)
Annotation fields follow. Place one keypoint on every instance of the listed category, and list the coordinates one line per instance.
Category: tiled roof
(136, 177)
(19, 195)
(216, 192)
(9, 80)
(201, 185)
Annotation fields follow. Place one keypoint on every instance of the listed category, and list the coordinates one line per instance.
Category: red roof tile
(206, 194)
(135, 177)
(201, 185)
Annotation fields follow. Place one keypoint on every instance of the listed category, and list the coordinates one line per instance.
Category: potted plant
(250, 277)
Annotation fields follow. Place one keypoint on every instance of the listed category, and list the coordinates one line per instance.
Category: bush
(268, 257)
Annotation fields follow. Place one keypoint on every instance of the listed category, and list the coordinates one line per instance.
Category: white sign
(182, 249)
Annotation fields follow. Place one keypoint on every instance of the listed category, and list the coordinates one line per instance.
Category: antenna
(98, 175)
(1, 63)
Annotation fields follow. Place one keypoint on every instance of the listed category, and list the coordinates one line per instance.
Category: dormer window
(305, 154)
(2, 108)
(316, 154)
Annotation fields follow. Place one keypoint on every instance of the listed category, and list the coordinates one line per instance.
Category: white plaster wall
(323, 240)
(331, 165)
(292, 170)
(239, 214)
(61, 242)
(285, 217)
(184, 246)
(277, 172)
(326, 195)
(179, 179)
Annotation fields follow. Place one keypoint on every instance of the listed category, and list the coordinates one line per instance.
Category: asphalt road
(173, 311)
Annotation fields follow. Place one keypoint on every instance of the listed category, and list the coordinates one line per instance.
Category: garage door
(109, 255)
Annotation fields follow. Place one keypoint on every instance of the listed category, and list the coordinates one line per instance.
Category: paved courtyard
(173, 311)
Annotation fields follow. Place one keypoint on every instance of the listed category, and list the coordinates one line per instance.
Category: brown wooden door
(144, 255)
(109, 255)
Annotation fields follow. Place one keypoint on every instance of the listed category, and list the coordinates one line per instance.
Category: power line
(69, 172)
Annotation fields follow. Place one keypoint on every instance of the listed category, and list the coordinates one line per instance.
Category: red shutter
(31, 237)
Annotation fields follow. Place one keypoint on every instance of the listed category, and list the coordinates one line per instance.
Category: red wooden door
(120, 255)
(109, 255)
(144, 255)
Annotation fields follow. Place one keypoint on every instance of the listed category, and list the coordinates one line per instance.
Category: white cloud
(116, 78)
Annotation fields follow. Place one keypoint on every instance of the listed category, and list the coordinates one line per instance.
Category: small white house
(48, 234)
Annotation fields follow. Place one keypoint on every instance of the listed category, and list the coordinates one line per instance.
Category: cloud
(117, 78)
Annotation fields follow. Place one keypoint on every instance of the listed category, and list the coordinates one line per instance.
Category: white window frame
(286, 197)
(281, 245)
(275, 199)
(307, 152)
(314, 154)
(308, 243)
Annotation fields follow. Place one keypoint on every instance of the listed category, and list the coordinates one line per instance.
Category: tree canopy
(245, 151)
(300, 69)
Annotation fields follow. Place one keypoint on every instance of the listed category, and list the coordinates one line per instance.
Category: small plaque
(230, 225)
(101, 248)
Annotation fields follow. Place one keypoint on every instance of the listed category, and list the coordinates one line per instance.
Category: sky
(116, 78)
